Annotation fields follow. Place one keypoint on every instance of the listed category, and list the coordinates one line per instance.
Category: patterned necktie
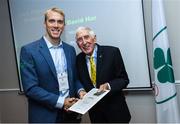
(93, 70)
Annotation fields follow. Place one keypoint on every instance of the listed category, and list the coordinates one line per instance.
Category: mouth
(56, 31)
(85, 47)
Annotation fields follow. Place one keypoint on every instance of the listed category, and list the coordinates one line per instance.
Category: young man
(102, 67)
(48, 74)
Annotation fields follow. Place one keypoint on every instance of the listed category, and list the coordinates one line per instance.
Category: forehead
(54, 15)
(82, 33)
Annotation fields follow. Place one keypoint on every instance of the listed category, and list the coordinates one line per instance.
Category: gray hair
(91, 32)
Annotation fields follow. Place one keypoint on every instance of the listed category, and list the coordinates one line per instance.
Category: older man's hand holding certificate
(88, 101)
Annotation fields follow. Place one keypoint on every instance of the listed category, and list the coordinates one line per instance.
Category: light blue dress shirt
(60, 63)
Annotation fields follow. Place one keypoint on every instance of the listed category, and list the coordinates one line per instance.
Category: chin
(87, 53)
(56, 37)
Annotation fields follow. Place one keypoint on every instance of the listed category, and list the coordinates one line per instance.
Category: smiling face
(54, 24)
(86, 41)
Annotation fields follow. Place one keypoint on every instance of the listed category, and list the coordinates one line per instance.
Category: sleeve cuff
(82, 89)
(109, 86)
(60, 102)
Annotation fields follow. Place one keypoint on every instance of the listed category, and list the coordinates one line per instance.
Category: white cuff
(60, 102)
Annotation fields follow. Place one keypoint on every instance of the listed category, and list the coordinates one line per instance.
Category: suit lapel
(68, 59)
(99, 63)
(45, 52)
(84, 68)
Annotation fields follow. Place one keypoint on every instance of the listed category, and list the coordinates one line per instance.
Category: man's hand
(82, 93)
(68, 102)
(104, 87)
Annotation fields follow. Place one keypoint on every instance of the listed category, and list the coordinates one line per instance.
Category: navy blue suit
(39, 80)
(110, 68)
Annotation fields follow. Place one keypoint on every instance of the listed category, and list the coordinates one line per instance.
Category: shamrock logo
(165, 73)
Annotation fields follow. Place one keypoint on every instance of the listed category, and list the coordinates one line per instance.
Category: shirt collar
(50, 45)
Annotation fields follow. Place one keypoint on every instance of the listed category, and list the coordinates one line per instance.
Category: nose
(84, 40)
(55, 24)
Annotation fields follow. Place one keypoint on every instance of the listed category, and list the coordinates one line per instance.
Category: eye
(56, 21)
(86, 37)
(51, 20)
(60, 21)
(79, 40)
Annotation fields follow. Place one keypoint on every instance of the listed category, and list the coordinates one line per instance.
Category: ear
(95, 38)
(44, 24)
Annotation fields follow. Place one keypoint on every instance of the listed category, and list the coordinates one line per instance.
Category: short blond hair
(54, 9)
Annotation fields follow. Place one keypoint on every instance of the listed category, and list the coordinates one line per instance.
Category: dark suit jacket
(110, 68)
(39, 79)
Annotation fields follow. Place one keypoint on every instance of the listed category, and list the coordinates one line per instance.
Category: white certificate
(88, 101)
